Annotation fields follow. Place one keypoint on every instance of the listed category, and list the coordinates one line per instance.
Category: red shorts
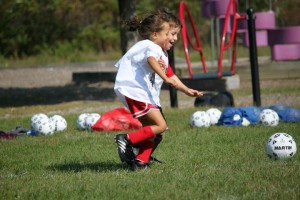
(138, 108)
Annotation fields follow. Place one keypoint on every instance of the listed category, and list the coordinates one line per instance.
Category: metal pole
(253, 57)
(212, 41)
(218, 35)
(173, 91)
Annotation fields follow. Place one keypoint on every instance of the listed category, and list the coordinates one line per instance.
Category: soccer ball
(91, 120)
(37, 117)
(281, 146)
(60, 123)
(80, 122)
(200, 119)
(44, 126)
(214, 115)
(269, 117)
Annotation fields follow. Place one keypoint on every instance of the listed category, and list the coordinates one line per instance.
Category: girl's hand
(193, 93)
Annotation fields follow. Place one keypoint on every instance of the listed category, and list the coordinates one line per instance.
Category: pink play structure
(283, 41)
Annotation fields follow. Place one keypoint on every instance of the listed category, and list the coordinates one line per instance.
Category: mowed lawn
(200, 163)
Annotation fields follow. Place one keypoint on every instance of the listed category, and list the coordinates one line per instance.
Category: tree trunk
(127, 11)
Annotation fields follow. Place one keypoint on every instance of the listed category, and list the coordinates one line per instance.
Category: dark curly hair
(152, 23)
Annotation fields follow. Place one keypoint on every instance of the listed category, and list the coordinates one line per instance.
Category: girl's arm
(174, 81)
(183, 88)
(157, 69)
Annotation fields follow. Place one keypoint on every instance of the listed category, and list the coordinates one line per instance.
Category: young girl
(141, 73)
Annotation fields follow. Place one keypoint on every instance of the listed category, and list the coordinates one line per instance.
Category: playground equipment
(284, 42)
(230, 25)
(207, 81)
(231, 15)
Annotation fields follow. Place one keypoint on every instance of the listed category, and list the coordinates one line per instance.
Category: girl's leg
(158, 138)
(153, 124)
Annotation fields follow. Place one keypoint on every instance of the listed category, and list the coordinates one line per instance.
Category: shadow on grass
(13, 97)
(79, 167)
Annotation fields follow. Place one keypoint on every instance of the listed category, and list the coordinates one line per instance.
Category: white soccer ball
(60, 123)
(37, 117)
(44, 126)
(91, 120)
(80, 122)
(200, 119)
(269, 117)
(281, 146)
(214, 115)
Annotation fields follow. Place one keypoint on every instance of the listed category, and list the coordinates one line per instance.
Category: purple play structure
(214, 8)
(264, 21)
(283, 41)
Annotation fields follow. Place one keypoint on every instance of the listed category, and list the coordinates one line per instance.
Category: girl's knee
(162, 128)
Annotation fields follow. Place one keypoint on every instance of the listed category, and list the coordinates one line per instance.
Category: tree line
(29, 27)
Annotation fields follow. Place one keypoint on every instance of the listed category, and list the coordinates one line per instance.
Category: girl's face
(162, 38)
(173, 33)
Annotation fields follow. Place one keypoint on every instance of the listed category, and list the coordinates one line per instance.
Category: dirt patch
(53, 85)
(48, 76)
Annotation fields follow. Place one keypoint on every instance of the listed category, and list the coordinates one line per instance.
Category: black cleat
(125, 150)
(153, 159)
(139, 165)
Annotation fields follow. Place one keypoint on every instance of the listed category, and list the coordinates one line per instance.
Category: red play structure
(225, 10)
(284, 42)
(230, 26)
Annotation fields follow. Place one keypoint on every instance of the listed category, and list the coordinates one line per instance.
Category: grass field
(224, 163)
(200, 163)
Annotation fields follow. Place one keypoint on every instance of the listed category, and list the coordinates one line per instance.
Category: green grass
(201, 163)
(63, 56)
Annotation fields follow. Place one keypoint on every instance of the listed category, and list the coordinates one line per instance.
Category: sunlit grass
(200, 163)
(46, 57)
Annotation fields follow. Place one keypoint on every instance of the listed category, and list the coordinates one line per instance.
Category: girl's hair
(152, 23)
(174, 21)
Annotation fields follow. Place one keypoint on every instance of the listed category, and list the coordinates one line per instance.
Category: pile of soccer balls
(86, 121)
(267, 117)
(45, 125)
(278, 146)
(42, 124)
(205, 118)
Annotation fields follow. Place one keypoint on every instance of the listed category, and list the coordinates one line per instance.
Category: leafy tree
(28, 27)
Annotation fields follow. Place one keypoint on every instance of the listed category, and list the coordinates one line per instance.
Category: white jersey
(135, 78)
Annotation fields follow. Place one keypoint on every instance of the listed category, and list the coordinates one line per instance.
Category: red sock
(145, 151)
(140, 135)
